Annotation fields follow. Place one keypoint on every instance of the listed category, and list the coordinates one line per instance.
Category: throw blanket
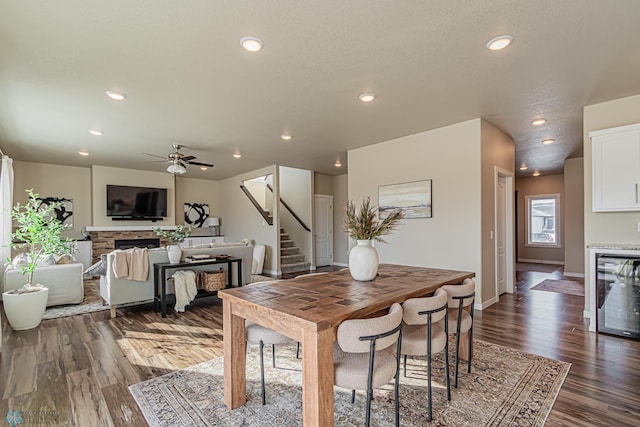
(131, 263)
(184, 282)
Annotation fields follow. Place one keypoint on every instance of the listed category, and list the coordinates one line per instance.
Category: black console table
(160, 279)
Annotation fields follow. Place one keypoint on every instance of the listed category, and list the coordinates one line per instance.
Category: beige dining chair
(425, 330)
(367, 355)
(459, 297)
(260, 335)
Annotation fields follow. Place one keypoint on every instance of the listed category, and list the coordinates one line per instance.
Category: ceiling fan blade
(201, 164)
(155, 155)
(187, 158)
(157, 161)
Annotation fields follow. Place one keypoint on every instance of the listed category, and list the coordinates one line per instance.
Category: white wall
(340, 237)
(606, 227)
(451, 158)
(574, 217)
(296, 189)
(240, 219)
(56, 181)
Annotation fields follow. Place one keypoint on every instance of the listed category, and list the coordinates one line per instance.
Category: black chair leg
(353, 396)
(446, 369)
(273, 355)
(262, 370)
(470, 348)
(455, 384)
(298, 350)
(429, 415)
(405, 365)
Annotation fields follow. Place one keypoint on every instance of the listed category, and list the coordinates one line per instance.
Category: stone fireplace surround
(103, 238)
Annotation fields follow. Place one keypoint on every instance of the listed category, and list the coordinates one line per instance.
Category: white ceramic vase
(175, 253)
(24, 311)
(363, 261)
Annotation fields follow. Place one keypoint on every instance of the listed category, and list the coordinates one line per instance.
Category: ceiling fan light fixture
(251, 43)
(523, 166)
(500, 42)
(115, 95)
(176, 168)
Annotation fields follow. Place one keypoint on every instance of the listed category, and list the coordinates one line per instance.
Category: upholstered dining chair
(260, 335)
(425, 330)
(459, 297)
(367, 355)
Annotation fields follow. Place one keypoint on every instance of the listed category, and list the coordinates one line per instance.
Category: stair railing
(297, 218)
(265, 214)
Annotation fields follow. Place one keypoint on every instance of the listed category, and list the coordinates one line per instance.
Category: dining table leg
(317, 378)
(235, 358)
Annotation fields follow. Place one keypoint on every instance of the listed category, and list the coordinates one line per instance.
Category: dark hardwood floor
(74, 371)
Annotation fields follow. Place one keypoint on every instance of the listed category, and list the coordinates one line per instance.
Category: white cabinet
(202, 240)
(616, 169)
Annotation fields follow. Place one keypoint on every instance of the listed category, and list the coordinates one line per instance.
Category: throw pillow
(21, 260)
(99, 268)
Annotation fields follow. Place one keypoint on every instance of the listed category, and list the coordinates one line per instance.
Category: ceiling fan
(178, 161)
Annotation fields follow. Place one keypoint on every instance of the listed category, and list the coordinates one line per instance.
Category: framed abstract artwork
(64, 211)
(196, 214)
(412, 198)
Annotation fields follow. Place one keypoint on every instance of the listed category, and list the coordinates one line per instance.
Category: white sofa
(63, 280)
(122, 291)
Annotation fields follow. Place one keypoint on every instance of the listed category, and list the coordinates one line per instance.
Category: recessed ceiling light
(115, 95)
(83, 153)
(96, 132)
(250, 43)
(367, 97)
(538, 122)
(499, 42)
(337, 164)
(548, 141)
(523, 166)
(237, 155)
(203, 168)
(286, 137)
(536, 173)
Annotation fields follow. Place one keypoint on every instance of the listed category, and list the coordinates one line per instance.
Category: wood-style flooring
(74, 371)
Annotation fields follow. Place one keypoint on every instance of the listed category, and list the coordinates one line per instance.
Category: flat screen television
(136, 202)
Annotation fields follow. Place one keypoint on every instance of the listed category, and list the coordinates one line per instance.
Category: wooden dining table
(309, 310)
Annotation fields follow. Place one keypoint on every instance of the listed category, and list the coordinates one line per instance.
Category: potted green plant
(176, 237)
(40, 234)
(364, 226)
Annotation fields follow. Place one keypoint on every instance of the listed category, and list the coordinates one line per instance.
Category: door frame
(509, 237)
(330, 240)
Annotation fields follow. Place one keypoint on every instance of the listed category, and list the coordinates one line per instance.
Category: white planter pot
(175, 253)
(24, 311)
(363, 261)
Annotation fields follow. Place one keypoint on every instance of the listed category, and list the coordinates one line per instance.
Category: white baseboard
(574, 274)
(486, 304)
(540, 261)
(272, 272)
(340, 264)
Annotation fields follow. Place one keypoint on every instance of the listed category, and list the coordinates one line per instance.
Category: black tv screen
(136, 202)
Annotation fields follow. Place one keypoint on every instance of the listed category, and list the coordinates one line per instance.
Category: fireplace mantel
(91, 228)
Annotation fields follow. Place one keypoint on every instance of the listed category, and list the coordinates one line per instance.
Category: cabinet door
(616, 172)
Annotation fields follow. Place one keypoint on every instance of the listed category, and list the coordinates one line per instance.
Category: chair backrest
(350, 331)
(466, 290)
(436, 304)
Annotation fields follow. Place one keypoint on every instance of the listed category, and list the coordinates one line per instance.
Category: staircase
(291, 260)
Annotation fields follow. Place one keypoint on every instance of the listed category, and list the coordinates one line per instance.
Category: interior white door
(323, 230)
(501, 233)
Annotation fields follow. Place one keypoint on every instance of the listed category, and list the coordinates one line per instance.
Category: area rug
(92, 301)
(568, 287)
(507, 387)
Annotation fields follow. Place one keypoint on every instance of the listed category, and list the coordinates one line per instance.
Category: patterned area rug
(507, 387)
(92, 301)
(568, 287)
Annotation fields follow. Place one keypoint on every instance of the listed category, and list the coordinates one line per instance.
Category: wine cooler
(618, 295)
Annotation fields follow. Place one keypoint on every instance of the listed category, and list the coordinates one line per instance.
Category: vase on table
(363, 261)
(174, 253)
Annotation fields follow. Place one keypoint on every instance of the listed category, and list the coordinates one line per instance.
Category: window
(543, 226)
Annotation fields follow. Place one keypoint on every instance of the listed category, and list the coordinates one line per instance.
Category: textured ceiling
(188, 81)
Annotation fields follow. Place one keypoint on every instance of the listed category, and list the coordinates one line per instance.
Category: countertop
(615, 246)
